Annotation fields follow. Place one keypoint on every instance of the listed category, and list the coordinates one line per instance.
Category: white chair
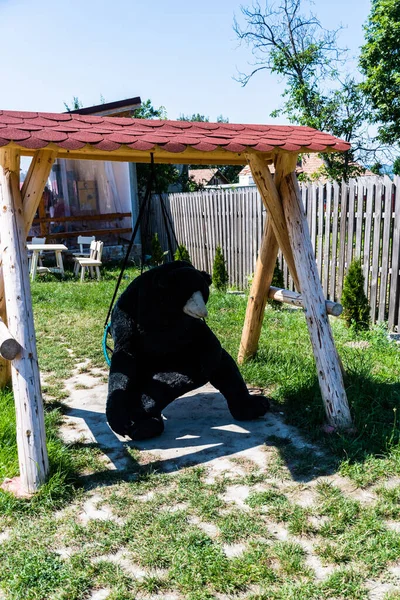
(36, 240)
(93, 262)
(84, 242)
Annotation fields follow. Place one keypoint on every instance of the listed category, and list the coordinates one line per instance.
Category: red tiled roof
(70, 131)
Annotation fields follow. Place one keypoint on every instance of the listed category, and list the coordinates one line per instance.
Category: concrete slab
(199, 430)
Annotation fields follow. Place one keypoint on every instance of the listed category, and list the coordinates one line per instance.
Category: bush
(277, 281)
(355, 303)
(220, 274)
(181, 253)
(157, 253)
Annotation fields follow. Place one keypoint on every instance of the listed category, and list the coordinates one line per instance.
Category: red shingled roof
(32, 130)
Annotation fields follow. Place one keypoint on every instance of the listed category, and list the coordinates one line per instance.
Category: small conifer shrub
(181, 253)
(220, 275)
(277, 281)
(157, 253)
(356, 309)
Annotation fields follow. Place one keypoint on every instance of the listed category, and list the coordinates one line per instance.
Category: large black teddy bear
(163, 349)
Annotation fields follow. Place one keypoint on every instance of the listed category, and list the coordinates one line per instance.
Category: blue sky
(180, 54)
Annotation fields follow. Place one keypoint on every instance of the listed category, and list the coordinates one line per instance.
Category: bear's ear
(207, 277)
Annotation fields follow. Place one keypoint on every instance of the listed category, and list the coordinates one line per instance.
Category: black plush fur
(161, 353)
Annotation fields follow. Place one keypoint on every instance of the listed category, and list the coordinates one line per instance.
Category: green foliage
(277, 281)
(220, 274)
(396, 166)
(376, 168)
(380, 63)
(157, 253)
(181, 253)
(76, 104)
(296, 47)
(355, 303)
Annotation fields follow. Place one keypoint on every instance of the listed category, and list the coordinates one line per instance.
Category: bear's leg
(228, 380)
(122, 391)
(159, 391)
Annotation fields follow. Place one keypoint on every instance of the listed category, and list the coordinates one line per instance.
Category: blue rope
(104, 344)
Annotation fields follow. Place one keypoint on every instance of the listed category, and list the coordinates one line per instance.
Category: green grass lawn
(177, 529)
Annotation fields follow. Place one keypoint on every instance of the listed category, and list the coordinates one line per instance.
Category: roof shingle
(72, 131)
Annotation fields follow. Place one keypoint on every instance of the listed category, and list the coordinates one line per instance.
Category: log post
(9, 347)
(34, 184)
(270, 197)
(32, 191)
(275, 235)
(31, 439)
(325, 353)
(258, 294)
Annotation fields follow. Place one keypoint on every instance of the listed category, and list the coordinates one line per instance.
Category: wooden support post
(34, 184)
(275, 235)
(270, 197)
(31, 440)
(32, 191)
(325, 353)
(258, 294)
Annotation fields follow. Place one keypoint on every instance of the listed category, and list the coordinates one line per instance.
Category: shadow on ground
(199, 430)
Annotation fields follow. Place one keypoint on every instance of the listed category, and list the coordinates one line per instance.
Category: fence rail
(359, 219)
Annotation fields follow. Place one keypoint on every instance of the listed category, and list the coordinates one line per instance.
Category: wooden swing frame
(286, 229)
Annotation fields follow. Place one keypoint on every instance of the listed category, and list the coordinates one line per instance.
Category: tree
(157, 253)
(181, 253)
(396, 166)
(220, 275)
(298, 49)
(76, 104)
(355, 303)
(380, 63)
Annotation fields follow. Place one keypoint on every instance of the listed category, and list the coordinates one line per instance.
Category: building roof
(204, 176)
(73, 135)
(120, 107)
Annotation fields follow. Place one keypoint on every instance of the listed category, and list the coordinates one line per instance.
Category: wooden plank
(369, 209)
(376, 248)
(74, 218)
(343, 234)
(320, 242)
(327, 240)
(31, 436)
(313, 217)
(350, 229)
(325, 353)
(335, 223)
(394, 304)
(89, 232)
(387, 221)
(359, 186)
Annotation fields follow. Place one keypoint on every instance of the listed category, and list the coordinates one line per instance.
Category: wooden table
(36, 249)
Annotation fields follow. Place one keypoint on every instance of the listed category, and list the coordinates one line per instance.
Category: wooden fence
(360, 219)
